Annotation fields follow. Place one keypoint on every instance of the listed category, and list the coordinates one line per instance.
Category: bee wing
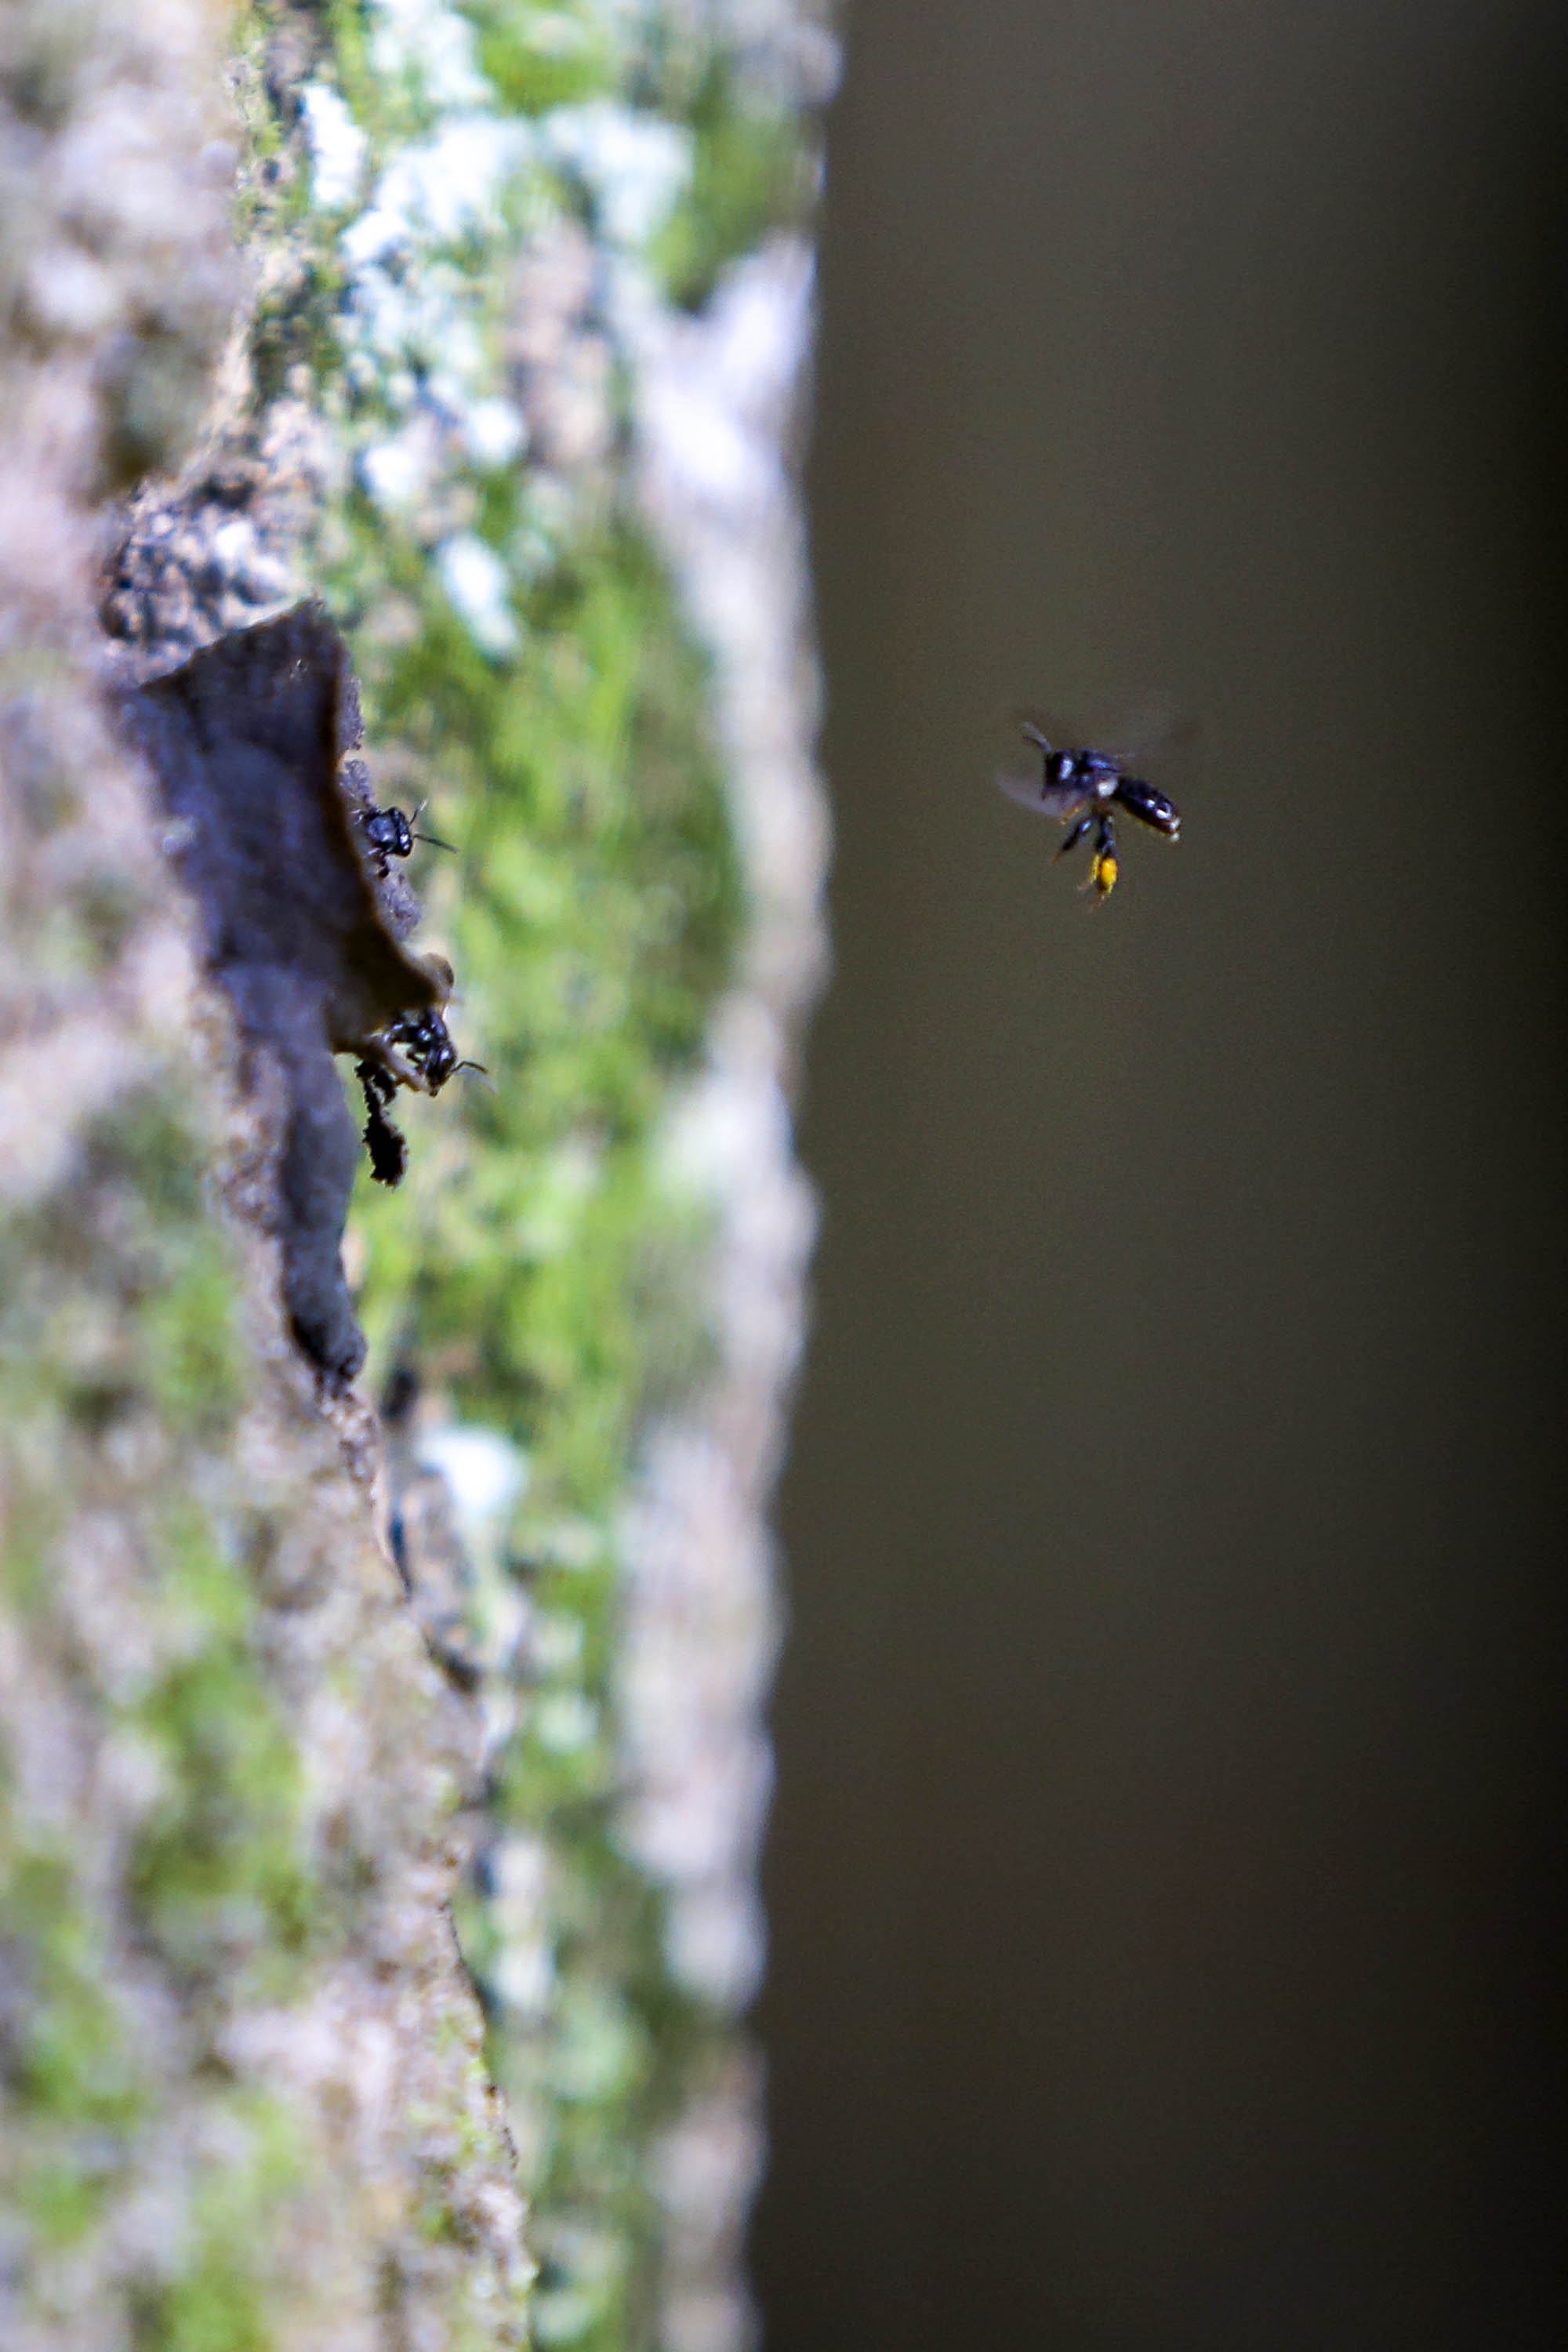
(1149, 727)
(1060, 800)
(1159, 732)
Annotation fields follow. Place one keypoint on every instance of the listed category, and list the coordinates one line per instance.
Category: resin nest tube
(255, 742)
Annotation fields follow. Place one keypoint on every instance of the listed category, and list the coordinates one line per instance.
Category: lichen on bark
(227, 1770)
(507, 381)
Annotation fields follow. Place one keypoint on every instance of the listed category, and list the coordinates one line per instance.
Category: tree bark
(286, 1683)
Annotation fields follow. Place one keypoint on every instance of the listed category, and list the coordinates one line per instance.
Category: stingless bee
(391, 834)
(416, 1050)
(1083, 789)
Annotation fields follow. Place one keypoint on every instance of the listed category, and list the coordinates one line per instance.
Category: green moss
(74, 2093)
(752, 173)
(293, 327)
(201, 1586)
(71, 2062)
(217, 1875)
(119, 1300)
(592, 914)
(147, 1140)
(224, 2295)
(533, 1267)
(217, 2307)
(351, 55)
(61, 2198)
(538, 58)
(533, 1262)
(194, 1364)
(33, 1511)
(263, 135)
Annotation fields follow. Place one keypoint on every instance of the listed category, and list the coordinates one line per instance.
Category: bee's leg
(1074, 837)
(385, 1057)
(1104, 866)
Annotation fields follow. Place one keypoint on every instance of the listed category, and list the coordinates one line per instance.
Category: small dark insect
(392, 835)
(1082, 789)
(414, 1050)
(418, 1051)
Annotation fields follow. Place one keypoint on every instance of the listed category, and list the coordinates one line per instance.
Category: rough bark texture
(245, 2099)
(497, 355)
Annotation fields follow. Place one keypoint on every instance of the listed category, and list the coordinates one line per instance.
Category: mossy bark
(284, 1688)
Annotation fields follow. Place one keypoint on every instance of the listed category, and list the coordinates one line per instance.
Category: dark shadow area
(1165, 1877)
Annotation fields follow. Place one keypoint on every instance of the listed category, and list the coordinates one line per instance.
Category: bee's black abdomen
(1140, 800)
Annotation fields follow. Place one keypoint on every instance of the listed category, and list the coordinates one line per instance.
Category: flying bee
(1084, 789)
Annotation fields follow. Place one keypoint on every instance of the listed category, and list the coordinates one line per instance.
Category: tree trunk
(380, 1760)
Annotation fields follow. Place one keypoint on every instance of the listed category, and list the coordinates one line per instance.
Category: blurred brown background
(1165, 1872)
